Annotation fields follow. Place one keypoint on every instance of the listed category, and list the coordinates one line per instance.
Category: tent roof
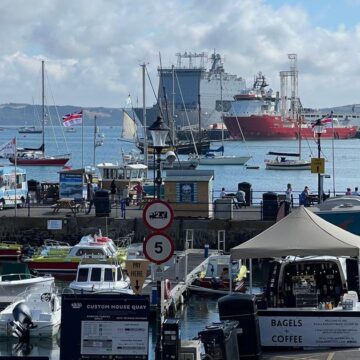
(301, 233)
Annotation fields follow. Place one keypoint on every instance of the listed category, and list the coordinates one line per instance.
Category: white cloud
(93, 49)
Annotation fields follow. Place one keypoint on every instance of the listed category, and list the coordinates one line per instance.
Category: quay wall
(34, 230)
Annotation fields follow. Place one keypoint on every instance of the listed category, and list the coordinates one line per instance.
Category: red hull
(54, 267)
(10, 253)
(272, 127)
(41, 162)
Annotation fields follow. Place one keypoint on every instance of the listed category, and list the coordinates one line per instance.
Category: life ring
(167, 289)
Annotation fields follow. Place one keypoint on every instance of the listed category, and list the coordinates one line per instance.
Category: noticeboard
(317, 165)
(71, 185)
(104, 326)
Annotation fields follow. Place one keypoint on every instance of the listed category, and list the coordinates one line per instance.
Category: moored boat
(15, 278)
(214, 276)
(35, 313)
(100, 275)
(65, 260)
(257, 114)
(10, 250)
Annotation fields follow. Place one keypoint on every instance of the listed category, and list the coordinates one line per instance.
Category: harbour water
(197, 313)
(341, 159)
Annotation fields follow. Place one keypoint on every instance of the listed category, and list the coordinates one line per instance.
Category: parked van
(13, 187)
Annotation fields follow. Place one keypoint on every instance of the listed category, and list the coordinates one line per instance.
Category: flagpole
(15, 153)
(82, 141)
(333, 152)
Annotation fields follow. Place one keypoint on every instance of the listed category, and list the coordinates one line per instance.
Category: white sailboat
(212, 157)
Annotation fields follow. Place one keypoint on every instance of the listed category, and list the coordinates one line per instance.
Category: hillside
(25, 114)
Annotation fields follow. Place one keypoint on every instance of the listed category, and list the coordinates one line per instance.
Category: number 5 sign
(158, 248)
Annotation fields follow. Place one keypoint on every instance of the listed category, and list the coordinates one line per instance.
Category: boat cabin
(100, 275)
(306, 282)
(123, 174)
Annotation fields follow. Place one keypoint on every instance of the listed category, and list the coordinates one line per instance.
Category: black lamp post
(159, 131)
(318, 130)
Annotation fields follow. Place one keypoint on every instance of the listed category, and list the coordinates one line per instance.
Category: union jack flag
(73, 119)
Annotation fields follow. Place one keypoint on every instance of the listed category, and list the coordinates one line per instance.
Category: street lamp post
(159, 132)
(318, 130)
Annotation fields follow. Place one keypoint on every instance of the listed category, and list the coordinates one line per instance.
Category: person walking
(113, 191)
(90, 196)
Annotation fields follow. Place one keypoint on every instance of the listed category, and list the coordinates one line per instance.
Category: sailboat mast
(199, 133)
(222, 114)
(144, 116)
(43, 102)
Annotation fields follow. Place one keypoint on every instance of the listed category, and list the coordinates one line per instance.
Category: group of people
(355, 192)
(125, 198)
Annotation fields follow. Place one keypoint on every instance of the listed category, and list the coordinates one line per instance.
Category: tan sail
(129, 130)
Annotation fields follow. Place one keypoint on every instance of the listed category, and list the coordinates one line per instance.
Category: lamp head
(159, 131)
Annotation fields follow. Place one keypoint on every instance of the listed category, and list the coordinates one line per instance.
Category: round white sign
(158, 248)
(158, 215)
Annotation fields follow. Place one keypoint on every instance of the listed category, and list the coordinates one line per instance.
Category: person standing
(139, 192)
(90, 196)
(113, 191)
(126, 195)
(356, 191)
(304, 197)
(223, 193)
(288, 198)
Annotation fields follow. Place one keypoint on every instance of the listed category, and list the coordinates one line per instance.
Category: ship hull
(272, 127)
(41, 161)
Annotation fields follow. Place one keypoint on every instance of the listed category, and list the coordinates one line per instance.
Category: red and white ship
(258, 115)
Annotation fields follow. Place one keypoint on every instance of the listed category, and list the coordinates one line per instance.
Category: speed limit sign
(158, 248)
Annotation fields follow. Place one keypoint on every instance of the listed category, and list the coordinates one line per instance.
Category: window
(109, 275)
(83, 275)
(95, 275)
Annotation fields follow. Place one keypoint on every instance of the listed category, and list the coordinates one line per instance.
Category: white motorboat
(35, 313)
(284, 163)
(210, 158)
(100, 275)
(15, 278)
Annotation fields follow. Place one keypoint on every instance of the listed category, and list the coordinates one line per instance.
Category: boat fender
(46, 297)
(167, 289)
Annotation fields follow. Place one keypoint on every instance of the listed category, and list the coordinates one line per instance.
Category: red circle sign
(158, 248)
(158, 215)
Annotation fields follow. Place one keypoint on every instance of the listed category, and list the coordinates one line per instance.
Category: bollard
(154, 295)
(206, 251)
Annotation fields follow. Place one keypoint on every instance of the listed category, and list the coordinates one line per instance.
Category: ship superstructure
(188, 86)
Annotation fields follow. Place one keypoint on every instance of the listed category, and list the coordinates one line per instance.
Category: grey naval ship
(189, 86)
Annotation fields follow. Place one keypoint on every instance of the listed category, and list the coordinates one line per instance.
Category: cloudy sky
(93, 48)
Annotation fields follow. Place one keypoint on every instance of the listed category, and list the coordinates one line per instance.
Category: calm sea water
(341, 164)
(197, 313)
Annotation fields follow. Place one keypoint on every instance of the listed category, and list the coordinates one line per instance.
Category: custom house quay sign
(104, 326)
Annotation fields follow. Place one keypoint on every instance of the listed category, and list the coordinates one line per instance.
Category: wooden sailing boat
(31, 157)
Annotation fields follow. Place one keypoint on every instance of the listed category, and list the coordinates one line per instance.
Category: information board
(339, 329)
(97, 326)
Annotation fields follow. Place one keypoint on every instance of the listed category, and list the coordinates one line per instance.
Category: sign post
(158, 248)
(137, 270)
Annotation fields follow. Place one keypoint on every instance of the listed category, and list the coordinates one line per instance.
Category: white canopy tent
(301, 233)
